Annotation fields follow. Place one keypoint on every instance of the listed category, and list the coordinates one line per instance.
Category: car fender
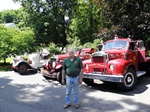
(20, 62)
(121, 65)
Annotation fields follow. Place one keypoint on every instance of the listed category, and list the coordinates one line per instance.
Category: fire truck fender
(58, 67)
(122, 65)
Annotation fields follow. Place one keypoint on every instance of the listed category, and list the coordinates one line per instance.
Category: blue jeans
(72, 83)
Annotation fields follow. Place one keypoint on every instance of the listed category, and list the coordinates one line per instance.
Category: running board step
(140, 73)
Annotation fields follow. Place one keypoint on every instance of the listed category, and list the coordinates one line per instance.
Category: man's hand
(80, 80)
(63, 82)
(81, 77)
(63, 76)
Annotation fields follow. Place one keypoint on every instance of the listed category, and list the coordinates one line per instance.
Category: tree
(15, 42)
(46, 17)
(129, 17)
(5, 43)
(87, 20)
(23, 41)
(9, 16)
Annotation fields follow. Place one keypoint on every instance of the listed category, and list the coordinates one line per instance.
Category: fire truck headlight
(112, 67)
(87, 67)
(53, 64)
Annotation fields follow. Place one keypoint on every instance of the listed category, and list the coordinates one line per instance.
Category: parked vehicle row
(121, 61)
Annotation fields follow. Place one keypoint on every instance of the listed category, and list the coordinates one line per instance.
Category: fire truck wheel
(89, 82)
(148, 70)
(22, 69)
(59, 76)
(129, 82)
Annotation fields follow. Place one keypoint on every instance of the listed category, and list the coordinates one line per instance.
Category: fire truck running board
(140, 73)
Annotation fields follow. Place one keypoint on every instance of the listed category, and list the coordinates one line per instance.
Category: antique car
(44, 53)
(121, 60)
(53, 67)
(22, 66)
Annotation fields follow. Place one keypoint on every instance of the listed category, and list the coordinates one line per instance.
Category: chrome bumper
(47, 74)
(104, 77)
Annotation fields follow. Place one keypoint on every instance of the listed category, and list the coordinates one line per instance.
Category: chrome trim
(109, 77)
(104, 77)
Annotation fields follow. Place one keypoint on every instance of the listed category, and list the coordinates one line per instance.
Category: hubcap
(23, 68)
(129, 79)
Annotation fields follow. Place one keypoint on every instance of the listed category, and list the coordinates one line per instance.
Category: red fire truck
(121, 61)
(53, 67)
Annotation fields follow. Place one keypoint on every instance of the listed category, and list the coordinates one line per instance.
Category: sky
(8, 4)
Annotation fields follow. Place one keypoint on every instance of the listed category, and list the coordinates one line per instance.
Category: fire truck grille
(100, 70)
(99, 59)
(53, 60)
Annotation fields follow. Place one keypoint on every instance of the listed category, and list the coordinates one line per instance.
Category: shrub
(53, 49)
(87, 45)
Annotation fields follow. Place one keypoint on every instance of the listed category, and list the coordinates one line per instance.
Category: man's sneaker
(66, 106)
(76, 105)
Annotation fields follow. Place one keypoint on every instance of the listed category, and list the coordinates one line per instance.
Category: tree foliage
(23, 42)
(9, 16)
(47, 18)
(129, 17)
(53, 49)
(87, 20)
(15, 42)
(5, 43)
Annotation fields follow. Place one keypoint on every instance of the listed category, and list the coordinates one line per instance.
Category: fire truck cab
(121, 61)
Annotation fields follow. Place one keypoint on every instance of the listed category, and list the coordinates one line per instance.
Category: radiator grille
(98, 59)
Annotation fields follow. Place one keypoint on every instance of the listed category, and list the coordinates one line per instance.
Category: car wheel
(22, 69)
(129, 82)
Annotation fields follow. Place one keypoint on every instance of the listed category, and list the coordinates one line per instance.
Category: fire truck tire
(89, 82)
(130, 80)
(59, 77)
(22, 69)
(148, 70)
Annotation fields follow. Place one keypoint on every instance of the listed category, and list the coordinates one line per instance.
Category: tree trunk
(4, 60)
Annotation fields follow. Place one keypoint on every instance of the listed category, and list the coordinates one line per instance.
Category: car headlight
(53, 64)
(112, 67)
(29, 61)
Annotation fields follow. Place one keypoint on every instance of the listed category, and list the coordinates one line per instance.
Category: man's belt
(72, 76)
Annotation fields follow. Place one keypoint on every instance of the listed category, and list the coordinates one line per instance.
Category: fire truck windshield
(120, 44)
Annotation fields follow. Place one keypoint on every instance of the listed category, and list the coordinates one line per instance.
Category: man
(73, 71)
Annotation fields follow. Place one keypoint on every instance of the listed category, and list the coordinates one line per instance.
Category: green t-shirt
(72, 68)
